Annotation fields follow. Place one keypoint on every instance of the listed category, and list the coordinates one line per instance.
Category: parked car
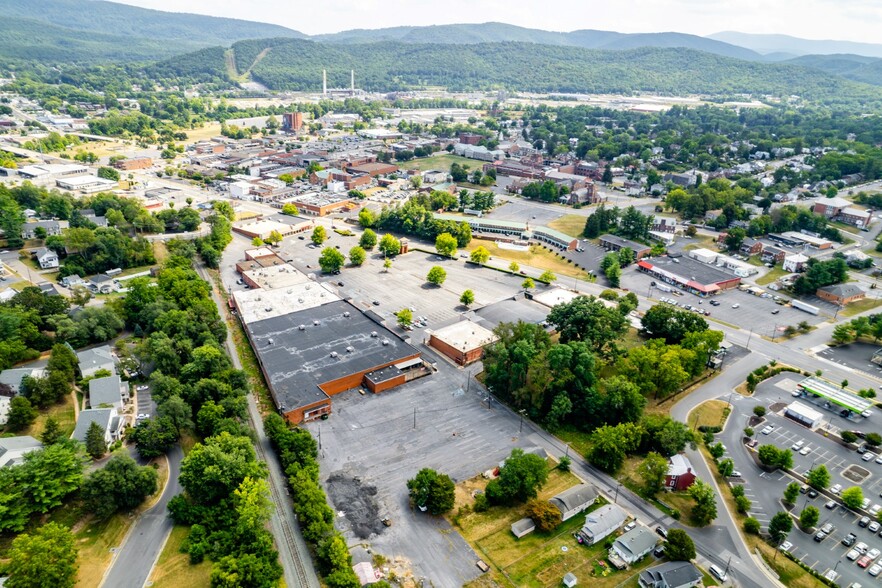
(852, 555)
(864, 522)
(864, 562)
(736, 305)
(874, 570)
(862, 449)
(662, 531)
(874, 527)
(862, 548)
(812, 493)
(767, 429)
(805, 450)
(820, 536)
(874, 553)
(831, 504)
(868, 456)
(849, 539)
(786, 546)
(836, 488)
(798, 445)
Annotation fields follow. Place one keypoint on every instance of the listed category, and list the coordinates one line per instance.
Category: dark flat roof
(692, 269)
(511, 311)
(387, 373)
(298, 361)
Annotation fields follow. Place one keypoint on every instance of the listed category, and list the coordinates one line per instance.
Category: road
(132, 564)
(293, 552)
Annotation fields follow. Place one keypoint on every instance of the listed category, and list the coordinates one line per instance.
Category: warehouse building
(616, 243)
(689, 274)
(463, 342)
(85, 184)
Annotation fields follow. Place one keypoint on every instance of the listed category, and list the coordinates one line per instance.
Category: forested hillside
(854, 67)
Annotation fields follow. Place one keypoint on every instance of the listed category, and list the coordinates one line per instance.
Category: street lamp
(616, 499)
(521, 428)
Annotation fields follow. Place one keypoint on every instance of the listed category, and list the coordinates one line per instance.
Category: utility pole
(748, 338)
(414, 417)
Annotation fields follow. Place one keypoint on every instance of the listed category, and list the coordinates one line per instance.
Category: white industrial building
(803, 414)
(86, 184)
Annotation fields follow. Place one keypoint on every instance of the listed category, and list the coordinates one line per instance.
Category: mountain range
(92, 32)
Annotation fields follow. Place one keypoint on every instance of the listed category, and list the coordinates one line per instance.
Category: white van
(717, 573)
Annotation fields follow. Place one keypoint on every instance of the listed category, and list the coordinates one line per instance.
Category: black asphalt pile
(357, 501)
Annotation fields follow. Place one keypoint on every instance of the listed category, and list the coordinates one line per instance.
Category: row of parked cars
(695, 309)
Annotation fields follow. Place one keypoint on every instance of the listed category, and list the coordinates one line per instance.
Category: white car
(879, 459)
(786, 546)
(805, 450)
(736, 305)
(874, 510)
(868, 456)
(874, 527)
(852, 555)
(861, 548)
(836, 489)
(736, 474)
(798, 445)
(874, 570)
(874, 553)
(141, 388)
(767, 429)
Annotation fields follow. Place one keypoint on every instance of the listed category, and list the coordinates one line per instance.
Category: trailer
(804, 307)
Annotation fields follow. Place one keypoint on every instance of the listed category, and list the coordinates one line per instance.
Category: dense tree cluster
(414, 217)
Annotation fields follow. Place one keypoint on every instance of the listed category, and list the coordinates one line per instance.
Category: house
(601, 523)
(795, 263)
(72, 280)
(574, 500)
(13, 377)
(49, 289)
(751, 246)
(47, 258)
(108, 391)
(672, 574)
(773, 255)
(679, 475)
(107, 418)
(52, 227)
(13, 449)
(102, 284)
(97, 358)
(632, 547)
(841, 294)
(523, 527)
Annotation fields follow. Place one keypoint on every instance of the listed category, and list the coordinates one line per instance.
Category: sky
(851, 20)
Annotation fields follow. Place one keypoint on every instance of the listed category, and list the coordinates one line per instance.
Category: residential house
(102, 284)
(672, 574)
(47, 258)
(49, 289)
(773, 255)
(751, 246)
(52, 227)
(602, 523)
(574, 500)
(6, 396)
(97, 358)
(107, 418)
(632, 546)
(108, 391)
(14, 376)
(13, 449)
(664, 224)
(72, 280)
(841, 294)
(523, 527)
(683, 180)
(795, 263)
(679, 475)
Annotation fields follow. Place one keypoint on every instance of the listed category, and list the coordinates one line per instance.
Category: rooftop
(637, 541)
(555, 296)
(13, 448)
(302, 350)
(843, 290)
(102, 416)
(105, 391)
(834, 394)
(608, 516)
(679, 464)
(280, 276)
(465, 335)
(689, 270)
(670, 574)
(258, 305)
(97, 358)
(619, 241)
(575, 497)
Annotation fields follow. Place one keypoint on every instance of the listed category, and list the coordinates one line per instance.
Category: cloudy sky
(852, 20)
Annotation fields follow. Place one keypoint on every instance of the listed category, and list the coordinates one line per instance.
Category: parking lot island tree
(436, 275)
(331, 260)
(446, 244)
(368, 240)
(819, 477)
(852, 497)
(779, 527)
(357, 255)
(389, 245)
(319, 235)
(809, 517)
(467, 298)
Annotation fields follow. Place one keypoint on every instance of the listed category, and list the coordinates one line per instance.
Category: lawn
(539, 559)
(860, 306)
(206, 131)
(772, 275)
(174, 568)
(94, 541)
(570, 224)
(63, 413)
(439, 161)
(701, 242)
(712, 413)
(537, 257)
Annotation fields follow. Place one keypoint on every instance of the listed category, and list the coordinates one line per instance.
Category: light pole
(748, 338)
(521, 427)
(616, 499)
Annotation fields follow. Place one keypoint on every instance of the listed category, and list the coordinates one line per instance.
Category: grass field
(537, 257)
(712, 413)
(439, 161)
(63, 413)
(540, 559)
(860, 306)
(206, 131)
(174, 568)
(773, 274)
(570, 224)
(94, 542)
(700, 242)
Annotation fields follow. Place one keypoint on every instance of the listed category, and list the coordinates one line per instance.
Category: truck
(663, 288)
(804, 307)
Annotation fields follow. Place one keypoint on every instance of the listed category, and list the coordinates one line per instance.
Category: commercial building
(373, 169)
(276, 277)
(803, 414)
(50, 171)
(86, 184)
(553, 297)
(601, 523)
(810, 240)
(262, 228)
(292, 122)
(689, 274)
(316, 204)
(463, 342)
(616, 243)
(133, 163)
(555, 238)
(313, 353)
(841, 294)
(816, 388)
(574, 500)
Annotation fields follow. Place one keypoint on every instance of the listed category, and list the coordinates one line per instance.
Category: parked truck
(804, 307)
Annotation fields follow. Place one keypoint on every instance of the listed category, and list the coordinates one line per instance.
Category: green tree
(590, 320)
(513, 266)
(96, 446)
(704, 511)
(853, 497)
(467, 298)
(726, 467)
(742, 504)
(331, 260)
(547, 277)
(610, 445)
(752, 526)
(544, 514)
(519, 478)
(47, 557)
(446, 244)
(257, 241)
(432, 490)
(357, 255)
(51, 432)
(177, 411)
(108, 173)
(405, 317)
(387, 263)
(791, 493)
(154, 437)
(780, 525)
(809, 517)
(366, 218)
(213, 469)
(481, 255)
(274, 237)
(819, 477)
(436, 275)
(319, 235)
(613, 275)
(390, 246)
(121, 485)
(290, 209)
(368, 240)
(48, 476)
(528, 284)
(652, 470)
(874, 439)
(21, 414)
(759, 410)
(679, 546)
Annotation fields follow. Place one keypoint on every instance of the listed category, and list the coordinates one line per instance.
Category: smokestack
(352, 73)
(324, 82)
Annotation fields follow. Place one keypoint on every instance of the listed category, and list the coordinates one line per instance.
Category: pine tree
(51, 433)
(95, 444)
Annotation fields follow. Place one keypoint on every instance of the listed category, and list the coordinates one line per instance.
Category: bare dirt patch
(357, 500)
(855, 473)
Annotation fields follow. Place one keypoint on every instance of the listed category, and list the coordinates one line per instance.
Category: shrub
(751, 525)
(481, 503)
(546, 516)
(759, 410)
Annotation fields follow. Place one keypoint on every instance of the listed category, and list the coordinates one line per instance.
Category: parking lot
(145, 404)
(765, 489)
(383, 440)
(855, 356)
(525, 211)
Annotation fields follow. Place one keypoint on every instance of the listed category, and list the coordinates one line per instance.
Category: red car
(864, 561)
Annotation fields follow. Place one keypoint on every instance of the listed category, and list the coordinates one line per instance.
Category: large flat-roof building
(85, 184)
(616, 243)
(689, 274)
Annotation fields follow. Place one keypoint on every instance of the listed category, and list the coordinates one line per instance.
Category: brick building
(463, 342)
(133, 164)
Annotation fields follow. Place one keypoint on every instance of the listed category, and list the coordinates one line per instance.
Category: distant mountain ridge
(766, 44)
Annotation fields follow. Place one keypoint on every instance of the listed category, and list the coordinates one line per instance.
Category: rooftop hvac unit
(300, 300)
(307, 287)
(269, 341)
(373, 333)
(315, 322)
(333, 354)
(346, 314)
(269, 309)
(290, 291)
(385, 341)
(349, 349)
(302, 327)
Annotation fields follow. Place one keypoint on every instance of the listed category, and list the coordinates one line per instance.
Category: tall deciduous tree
(436, 275)
(588, 319)
(432, 490)
(368, 240)
(48, 557)
(652, 470)
(121, 485)
(519, 479)
(704, 511)
(319, 234)
(446, 244)
(212, 470)
(679, 546)
(780, 526)
(357, 255)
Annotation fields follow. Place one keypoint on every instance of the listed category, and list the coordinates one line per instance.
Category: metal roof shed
(803, 414)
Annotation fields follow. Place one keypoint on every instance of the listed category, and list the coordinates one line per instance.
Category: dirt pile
(357, 500)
